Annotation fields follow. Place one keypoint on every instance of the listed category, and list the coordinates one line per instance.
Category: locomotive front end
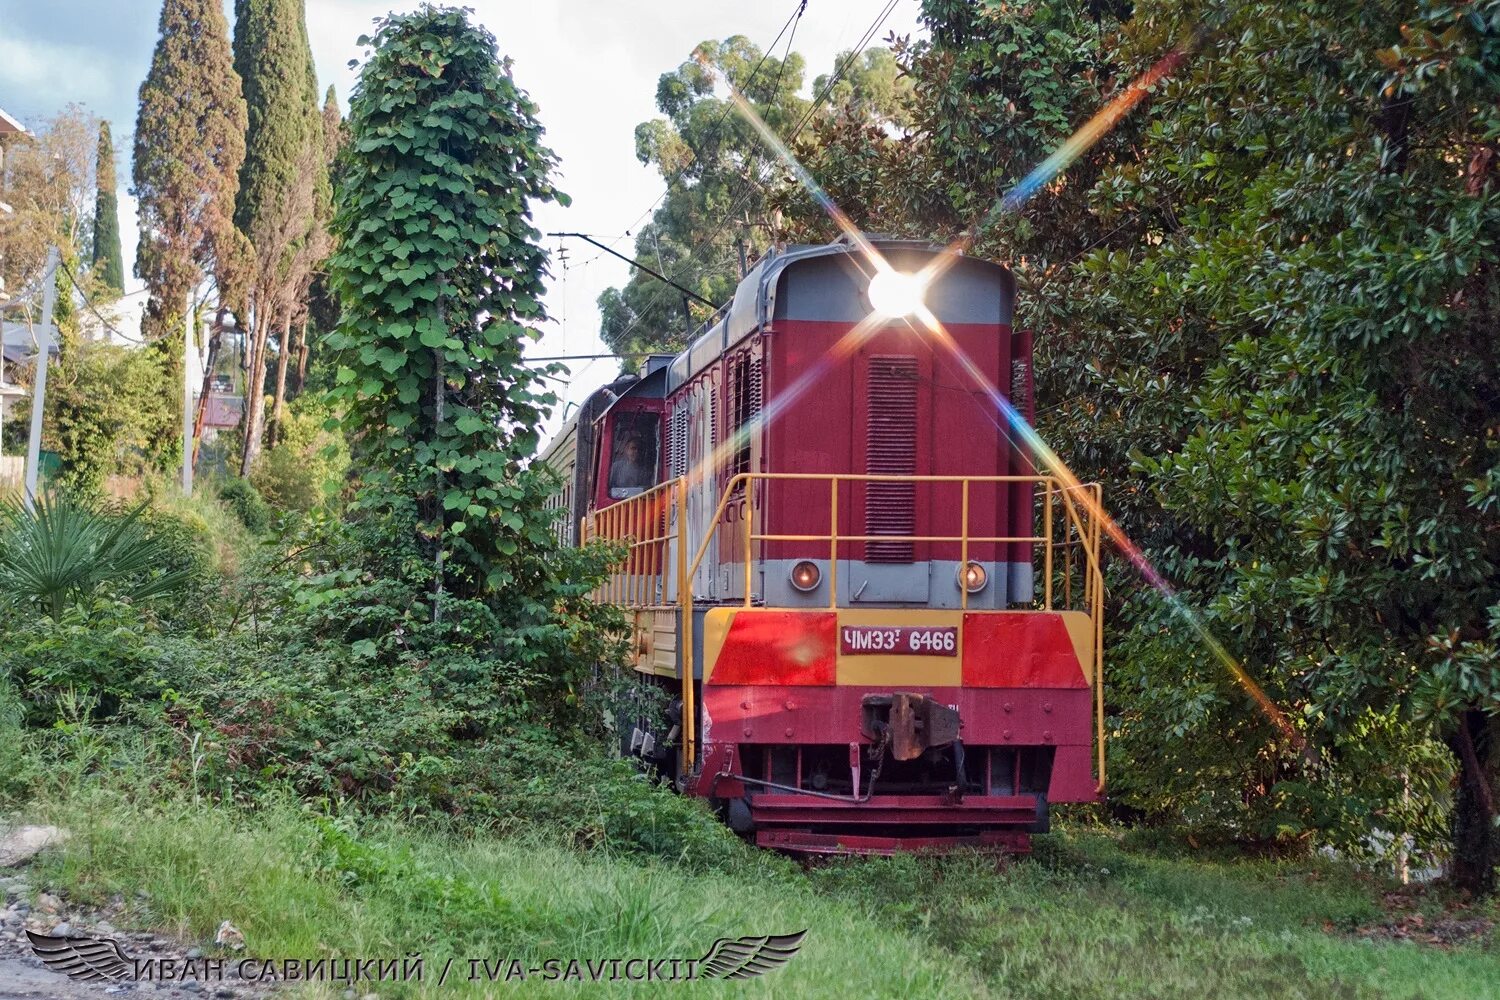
(881, 618)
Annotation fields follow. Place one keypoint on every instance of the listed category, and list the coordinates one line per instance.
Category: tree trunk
(302, 359)
(439, 398)
(283, 355)
(255, 393)
(439, 395)
(1476, 842)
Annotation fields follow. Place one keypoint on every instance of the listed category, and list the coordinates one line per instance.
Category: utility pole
(187, 398)
(39, 384)
(740, 241)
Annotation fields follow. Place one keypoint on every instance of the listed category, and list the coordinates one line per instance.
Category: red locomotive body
(883, 624)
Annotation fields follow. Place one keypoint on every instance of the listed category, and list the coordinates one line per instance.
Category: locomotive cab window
(633, 454)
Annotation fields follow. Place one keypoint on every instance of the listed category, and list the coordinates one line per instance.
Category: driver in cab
(630, 470)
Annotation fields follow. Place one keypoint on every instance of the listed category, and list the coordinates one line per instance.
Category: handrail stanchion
(685, 656)
(1096, 526)
(633, 516)
(963, 549)
(833, 542)
(608, 517)
(749, 530)
(1047, 548)
(1068, 565)
(628, 515)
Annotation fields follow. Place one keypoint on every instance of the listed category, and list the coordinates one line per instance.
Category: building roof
(20, 341)
(9, 125)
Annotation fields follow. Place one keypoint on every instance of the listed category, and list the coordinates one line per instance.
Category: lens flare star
(897, 296)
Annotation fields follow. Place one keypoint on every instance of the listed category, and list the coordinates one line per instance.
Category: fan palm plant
(62, 552)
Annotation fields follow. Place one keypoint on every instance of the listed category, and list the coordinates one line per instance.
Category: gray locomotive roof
(754, 301)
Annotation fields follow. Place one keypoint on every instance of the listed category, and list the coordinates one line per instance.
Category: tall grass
(303, 886)
(1082, 919)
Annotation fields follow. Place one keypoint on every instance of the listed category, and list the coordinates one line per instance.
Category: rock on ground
(24, 842)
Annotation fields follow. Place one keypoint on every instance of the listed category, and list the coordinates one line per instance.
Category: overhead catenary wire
(839, 70)
(693, 251)
(790, 23)
(787, 55)
(73, 280)
(589, 357)
(670, 276)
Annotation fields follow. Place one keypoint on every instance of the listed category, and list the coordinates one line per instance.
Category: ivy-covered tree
(108, 259)
(439, 276)
(189, 142)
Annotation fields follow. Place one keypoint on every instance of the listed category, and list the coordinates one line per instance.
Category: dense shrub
(307, 465)
(241, 497)
(105, 653)
(103, 404)
(16, 764)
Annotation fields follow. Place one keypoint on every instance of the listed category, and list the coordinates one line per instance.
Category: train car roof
(755, 299)
(652, 385)
(598, 401)
(561, 441)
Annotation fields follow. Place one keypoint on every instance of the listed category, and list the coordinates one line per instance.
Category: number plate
(899, 640)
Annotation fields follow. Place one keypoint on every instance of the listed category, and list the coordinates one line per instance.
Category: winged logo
(83, 958)
(748, 957)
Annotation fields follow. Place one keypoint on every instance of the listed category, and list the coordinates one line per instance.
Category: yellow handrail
(657, 518)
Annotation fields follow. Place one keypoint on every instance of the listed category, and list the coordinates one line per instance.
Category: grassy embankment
(1083, 919)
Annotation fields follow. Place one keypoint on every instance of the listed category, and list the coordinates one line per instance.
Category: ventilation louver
(891, 449)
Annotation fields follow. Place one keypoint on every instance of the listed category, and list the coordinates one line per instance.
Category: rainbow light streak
(1090, 133)
(828, 205)
(846, 344)
(1072, 148)
(1049, 458)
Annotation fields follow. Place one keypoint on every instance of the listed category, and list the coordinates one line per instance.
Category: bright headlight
(806, 575)
(895, 294)
(972, 577)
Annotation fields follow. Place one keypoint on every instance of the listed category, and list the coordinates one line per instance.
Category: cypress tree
(108, 262)
(272, 59)
(280, 183)
(333, 127)
(189, 142)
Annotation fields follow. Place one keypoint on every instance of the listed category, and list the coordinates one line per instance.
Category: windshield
(632, 466)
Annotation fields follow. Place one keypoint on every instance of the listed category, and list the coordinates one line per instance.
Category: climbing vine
(439, 275)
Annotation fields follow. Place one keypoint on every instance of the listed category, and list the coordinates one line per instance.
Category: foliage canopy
(1266, 302)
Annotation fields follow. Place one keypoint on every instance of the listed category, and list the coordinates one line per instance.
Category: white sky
(590, 65)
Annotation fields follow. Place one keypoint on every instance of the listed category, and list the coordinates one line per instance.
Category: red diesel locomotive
(880, 623)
